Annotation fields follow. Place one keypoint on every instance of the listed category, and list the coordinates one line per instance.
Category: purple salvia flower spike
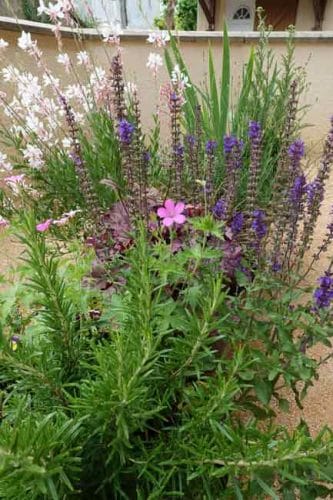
(323, 295)
(220, 209)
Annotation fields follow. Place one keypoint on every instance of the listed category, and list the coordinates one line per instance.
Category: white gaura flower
(41, 9)
(67, 143)
(34, 156)
(4, 164)
(97, 76)
(130, 88)
(74, 92)
(65, 60)
(28, 89)
(10, 73)
(83, 58)
(3, 44)
(111, 35)
(159, 39)
(55, 12)
(50, 80)
(35, 125)
(25, 42)
(154, 62)
(15, 182)
(177, 77)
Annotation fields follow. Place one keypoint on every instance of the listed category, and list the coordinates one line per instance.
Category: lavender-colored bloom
(210, 147)
(232, 258)
(258, 223)
(323, 295)
(174, 97)
(254, 130)
(179, 150)
(296, 150)
(237, 222)
(298, 189)
(76, 159)
(276, 266)
(229, 142)
(312, 189)
(125, 130)
(220, 209)
(146, 156)
(191, 140)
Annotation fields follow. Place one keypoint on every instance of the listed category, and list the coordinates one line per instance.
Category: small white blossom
(72, 213)
(83, 58)
(154, 62)
(10, 73)
(130, 88)
(65, 60)
(25, 42)
(159, 39)
(177, 77)
(111, 35)
(15, 182)
(34, 156)
(3, 44)
(50, 80)
(67, 143)
(4, 164)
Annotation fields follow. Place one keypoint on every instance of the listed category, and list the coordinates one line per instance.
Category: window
(242, 13)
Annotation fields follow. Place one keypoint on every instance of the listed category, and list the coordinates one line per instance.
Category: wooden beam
(208, 6)
(319, 7)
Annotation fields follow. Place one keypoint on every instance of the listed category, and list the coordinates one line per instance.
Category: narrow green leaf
(267, 489)
(225, 84)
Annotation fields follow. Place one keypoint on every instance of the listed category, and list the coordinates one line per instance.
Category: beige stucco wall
(304, 19)
(315, 50)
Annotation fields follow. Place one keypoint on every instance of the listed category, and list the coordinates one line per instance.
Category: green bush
(141, 394)
(160, 309)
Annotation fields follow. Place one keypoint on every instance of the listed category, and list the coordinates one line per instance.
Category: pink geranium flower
(3, 222)
(171, 213)
(44, 226)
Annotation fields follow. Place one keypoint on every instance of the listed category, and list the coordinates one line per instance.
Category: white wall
(140, 13)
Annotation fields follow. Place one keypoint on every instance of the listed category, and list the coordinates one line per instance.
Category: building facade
(240, 15)
(132, 14)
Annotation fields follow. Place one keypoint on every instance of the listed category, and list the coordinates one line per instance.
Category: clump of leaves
(170, 381)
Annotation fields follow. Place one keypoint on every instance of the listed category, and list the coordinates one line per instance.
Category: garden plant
(162, 305)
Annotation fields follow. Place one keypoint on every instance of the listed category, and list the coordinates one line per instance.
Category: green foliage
(186, 15)
(263, 96)
(29, 8)
(30, 13)
(167, 392)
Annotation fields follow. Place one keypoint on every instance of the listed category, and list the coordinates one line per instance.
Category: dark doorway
(279, 14)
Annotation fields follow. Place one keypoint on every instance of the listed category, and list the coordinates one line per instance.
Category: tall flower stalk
(255, 137)
(316, 193)
(233, 160)
(85, 183)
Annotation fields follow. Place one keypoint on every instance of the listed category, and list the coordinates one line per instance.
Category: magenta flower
(44, 226)
(172, 213)
(3, 223)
